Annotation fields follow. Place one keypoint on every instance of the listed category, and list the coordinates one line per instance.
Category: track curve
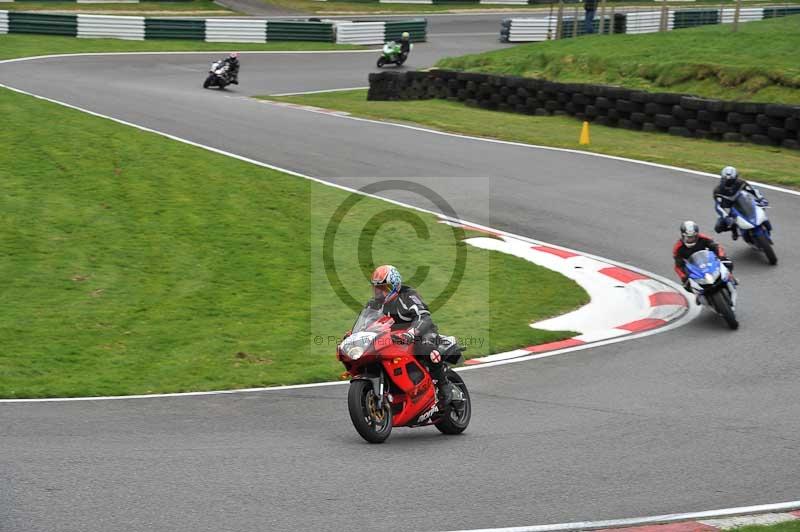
(688, 420)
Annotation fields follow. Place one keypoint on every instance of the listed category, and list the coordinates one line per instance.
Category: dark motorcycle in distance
(218, 75)
(390, 388)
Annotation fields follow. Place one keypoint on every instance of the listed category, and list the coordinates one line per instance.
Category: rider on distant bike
(692, 241)
(405, 306)
(729, 186)
(233, 66)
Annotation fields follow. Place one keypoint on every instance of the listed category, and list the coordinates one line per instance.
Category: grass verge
(20, 45)
(174, 8)
(788, 526)
(134, 264)
(756, 63)
(342, 7)
(761, 163)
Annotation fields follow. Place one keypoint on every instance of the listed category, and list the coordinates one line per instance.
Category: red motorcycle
(390, 388)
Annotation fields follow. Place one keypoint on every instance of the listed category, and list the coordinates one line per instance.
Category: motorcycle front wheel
(372, 423)
(207, 82)
(723, 306)
(765, 246)
(456, 419)
(381, 62)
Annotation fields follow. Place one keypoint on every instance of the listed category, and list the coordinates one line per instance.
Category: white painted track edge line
(549, 148)
(651, 520)
(319, 91)
(188, 52)
(688, 315)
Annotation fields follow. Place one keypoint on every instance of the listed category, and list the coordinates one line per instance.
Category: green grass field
(199, 7)
(761, 163)
(136, 264)
(788, 526)
(756, 63)
(22, 45)
(354, 7)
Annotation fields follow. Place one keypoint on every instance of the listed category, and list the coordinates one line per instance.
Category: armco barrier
(360, 32)
(299, 31)
(211, 30)
(227, 30)
(696, 17)
(531, 29)
(417, 29)
(171, 28)
(746, 14)
(528, 29)
(772, 12)
(647, 22)
(676, 114)
(109, 27)
(19, 22)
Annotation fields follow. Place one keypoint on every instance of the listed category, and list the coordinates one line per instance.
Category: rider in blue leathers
(729, 186)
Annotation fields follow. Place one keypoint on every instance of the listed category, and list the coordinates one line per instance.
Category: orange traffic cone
(584, 140)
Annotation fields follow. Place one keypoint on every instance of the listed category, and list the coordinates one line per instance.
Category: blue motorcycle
(750, 216)
(713, 285)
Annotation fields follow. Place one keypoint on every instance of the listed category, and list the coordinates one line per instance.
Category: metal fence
(566, 20)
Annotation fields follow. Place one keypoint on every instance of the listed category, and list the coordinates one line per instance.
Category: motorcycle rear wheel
(765, 246)
(371, 424)
(723, 306)
(456, 420)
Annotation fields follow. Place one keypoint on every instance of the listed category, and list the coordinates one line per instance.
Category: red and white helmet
(386, 282)
(234, 55)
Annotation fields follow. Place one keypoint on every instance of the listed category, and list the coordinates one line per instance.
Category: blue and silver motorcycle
(750, 217)
(713, 285)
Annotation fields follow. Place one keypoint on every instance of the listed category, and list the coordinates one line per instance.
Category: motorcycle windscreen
(745, 206)
(367, 318)
(702, 262)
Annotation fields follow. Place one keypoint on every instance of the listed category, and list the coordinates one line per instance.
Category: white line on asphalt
(690, 314)
(319, 92)
(550, 148)
(245, 52)
(638, 521)
(687, 317)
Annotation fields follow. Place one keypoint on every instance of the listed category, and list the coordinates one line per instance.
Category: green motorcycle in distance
(392, 54)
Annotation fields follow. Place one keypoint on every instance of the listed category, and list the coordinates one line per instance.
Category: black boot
(735, 232)
(443, 387)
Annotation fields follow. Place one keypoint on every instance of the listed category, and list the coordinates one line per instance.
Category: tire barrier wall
(211, 30)
(227, 30)
(360, 32)
(300, 31)
(677, 114)
(100, 1)
(378, 32)
(545, 28)
(417, 29)
(19, 22)
(107, 27)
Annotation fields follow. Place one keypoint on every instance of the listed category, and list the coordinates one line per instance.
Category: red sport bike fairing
(390, 388)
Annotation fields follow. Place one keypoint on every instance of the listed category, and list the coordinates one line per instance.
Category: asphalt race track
(693, 419)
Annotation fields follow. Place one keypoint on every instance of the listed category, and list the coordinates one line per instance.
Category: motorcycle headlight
(709, 278)
(355, 352)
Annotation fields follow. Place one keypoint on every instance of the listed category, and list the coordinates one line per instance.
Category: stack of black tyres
(676, 114)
